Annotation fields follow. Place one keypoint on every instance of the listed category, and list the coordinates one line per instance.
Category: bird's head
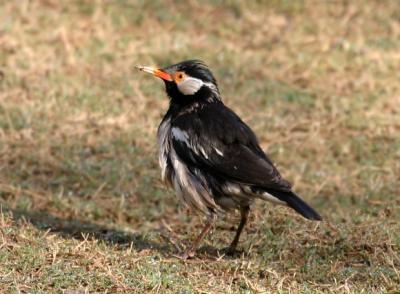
(187, 81)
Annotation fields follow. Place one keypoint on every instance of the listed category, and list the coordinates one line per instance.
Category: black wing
(215, 139)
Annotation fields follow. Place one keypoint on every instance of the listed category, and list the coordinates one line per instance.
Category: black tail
(296, 203)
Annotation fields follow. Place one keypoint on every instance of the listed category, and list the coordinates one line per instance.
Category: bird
(210, 156)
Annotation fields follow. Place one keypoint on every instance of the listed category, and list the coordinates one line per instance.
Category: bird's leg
(192, 250)
(244, 213)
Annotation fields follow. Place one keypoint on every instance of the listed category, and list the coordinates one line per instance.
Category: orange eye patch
(179, 76)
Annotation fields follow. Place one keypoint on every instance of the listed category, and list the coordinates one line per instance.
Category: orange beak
(156, 72)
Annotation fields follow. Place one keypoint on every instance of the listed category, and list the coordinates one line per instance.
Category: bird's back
(207, 151)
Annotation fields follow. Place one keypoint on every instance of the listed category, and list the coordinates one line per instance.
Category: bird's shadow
(80, 230)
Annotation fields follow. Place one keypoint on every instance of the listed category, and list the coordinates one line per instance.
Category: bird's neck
(204, 94)
(177, 108)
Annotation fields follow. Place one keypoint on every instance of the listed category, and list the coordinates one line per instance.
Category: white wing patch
(180, 135)
(218, 151)
(273, 199)
(203, 152)
(183, 136)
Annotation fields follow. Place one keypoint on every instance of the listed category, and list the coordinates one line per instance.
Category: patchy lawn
(83, 209)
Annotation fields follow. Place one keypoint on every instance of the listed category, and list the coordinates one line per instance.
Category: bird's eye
(179, 76)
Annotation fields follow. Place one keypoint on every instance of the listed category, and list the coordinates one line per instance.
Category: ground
(83, 209)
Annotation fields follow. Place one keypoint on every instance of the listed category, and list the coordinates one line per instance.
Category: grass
(83, 209)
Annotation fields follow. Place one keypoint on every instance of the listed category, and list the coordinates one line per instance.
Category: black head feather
(194, 68)
(197, 69)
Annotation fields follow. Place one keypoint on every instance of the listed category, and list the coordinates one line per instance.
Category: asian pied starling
(210, 156)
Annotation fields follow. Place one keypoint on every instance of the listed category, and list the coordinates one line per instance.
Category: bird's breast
(164, 149)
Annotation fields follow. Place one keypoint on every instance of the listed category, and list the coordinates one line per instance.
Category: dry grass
(82, 202)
